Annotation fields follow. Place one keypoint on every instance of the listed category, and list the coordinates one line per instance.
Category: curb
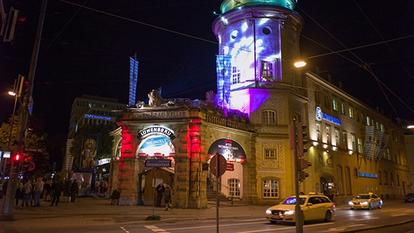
(378, 227)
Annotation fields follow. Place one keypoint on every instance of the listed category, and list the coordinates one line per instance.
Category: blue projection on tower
(133, 80)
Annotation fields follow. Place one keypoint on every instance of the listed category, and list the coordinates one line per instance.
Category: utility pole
(7, 211)
(298, 211)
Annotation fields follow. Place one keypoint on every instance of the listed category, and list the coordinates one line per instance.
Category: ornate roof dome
(228, 5)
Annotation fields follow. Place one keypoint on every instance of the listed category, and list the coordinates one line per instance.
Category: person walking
(48, 190)
(160, 192)
(167, 196)
(74, 189)
(27, 193)
(56, 191)
(19, 194)
(38, 189)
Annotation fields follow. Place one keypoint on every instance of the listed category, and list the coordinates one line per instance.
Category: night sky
(84, 52)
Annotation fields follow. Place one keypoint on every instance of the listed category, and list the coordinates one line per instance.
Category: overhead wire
(362, 65)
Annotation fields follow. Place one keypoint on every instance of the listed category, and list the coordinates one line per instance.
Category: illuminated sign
(97, 117)
(230, 149)
(157, 130)
(133, 80)
(5, 154)
(103, 161)
(156, 141)
(368, 175)
(326, 117)
(157, 163)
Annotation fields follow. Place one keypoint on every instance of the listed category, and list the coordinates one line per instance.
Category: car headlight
(364, 203)
(289, 212)
(350, 203)
(268, 211)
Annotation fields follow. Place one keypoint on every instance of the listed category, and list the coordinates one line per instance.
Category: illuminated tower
(258, 41)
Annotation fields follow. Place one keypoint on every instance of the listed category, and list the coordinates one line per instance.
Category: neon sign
(96, 117)
(157, 130)
(323, 116)
(368, 175)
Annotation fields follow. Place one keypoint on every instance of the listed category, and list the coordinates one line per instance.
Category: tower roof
(228, 5)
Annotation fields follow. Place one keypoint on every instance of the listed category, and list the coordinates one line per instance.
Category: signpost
(218, 166)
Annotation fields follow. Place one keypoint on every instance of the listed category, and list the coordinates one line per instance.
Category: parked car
(409, 198)
(366, 201)
(314, 207)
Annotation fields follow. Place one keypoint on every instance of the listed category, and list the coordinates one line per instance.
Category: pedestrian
(66, 189)
(47, 190)
(27, 193)
(160, 191)
(56, 191)
(74, 189)
(38, 189)
(19, 194)
(167, 196)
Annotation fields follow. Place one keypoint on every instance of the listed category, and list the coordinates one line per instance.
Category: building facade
(250, 122)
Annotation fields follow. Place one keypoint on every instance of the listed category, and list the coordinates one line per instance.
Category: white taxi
(366, 201)
(313, 206)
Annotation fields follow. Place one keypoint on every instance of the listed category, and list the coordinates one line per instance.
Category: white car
(314, 207)
(366, 201)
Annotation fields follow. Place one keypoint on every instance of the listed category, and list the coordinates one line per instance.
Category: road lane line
(154, 228)
(124, 229)
(287, 228)
(212, 226)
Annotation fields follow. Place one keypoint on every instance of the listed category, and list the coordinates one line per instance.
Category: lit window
(235, 75)
(270, 188)
(267, 71)
(353, 141)
(343, 109)
(269, 117)
(360, 146)
(328, 134)
(334, 105)
(270, 153)
(337, 137)
(234, 187)
(351, 112)
(382, 127)
(368, 122)
(318, 131)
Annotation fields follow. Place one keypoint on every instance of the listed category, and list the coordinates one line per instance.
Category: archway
(328, 186)
(232, 180)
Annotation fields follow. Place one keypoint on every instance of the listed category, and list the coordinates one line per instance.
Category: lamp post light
(410, 127)
(299, 218)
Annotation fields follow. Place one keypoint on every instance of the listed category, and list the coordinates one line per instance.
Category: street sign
(229, 167)
(218, 169)
(157, 163)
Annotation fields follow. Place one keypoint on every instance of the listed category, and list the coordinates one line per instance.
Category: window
(351, 112)
(269, 117)
(345, 139)
(267, 71)
(380, 177)
(317, 96)
(270, 188)
(270, 153)
(235, 75)
(334, 105)
(337, 137)
(382, 127)
(353, 141)
(368, 121)
(343, 111)
(327, 104)
(318, 131)
(360, 146)
(234, 187)
(328, 134)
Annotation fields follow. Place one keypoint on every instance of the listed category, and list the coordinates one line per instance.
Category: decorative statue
(155, 98)
(89, 153)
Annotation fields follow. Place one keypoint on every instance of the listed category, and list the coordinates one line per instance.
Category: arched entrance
(232, 180)
(155, 144)
(327, 186)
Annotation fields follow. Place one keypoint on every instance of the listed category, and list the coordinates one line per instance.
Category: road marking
(125, 230)
(288, 228)
(212, 226)
(155, 229)
(252, 220)
(337, 229)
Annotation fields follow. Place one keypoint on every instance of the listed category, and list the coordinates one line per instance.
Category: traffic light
(17, 157)
(302, 149)
(302, 176)
(305, 139)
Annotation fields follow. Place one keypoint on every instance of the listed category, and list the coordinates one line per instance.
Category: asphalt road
(345, 220)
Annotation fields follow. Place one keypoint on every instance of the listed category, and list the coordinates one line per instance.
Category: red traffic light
(17, 157)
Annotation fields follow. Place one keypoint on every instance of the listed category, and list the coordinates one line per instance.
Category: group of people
(30, 192)
(163, 191)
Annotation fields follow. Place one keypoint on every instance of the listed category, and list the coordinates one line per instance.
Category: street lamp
(299, 64)
(410, 127)
(12, 93)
